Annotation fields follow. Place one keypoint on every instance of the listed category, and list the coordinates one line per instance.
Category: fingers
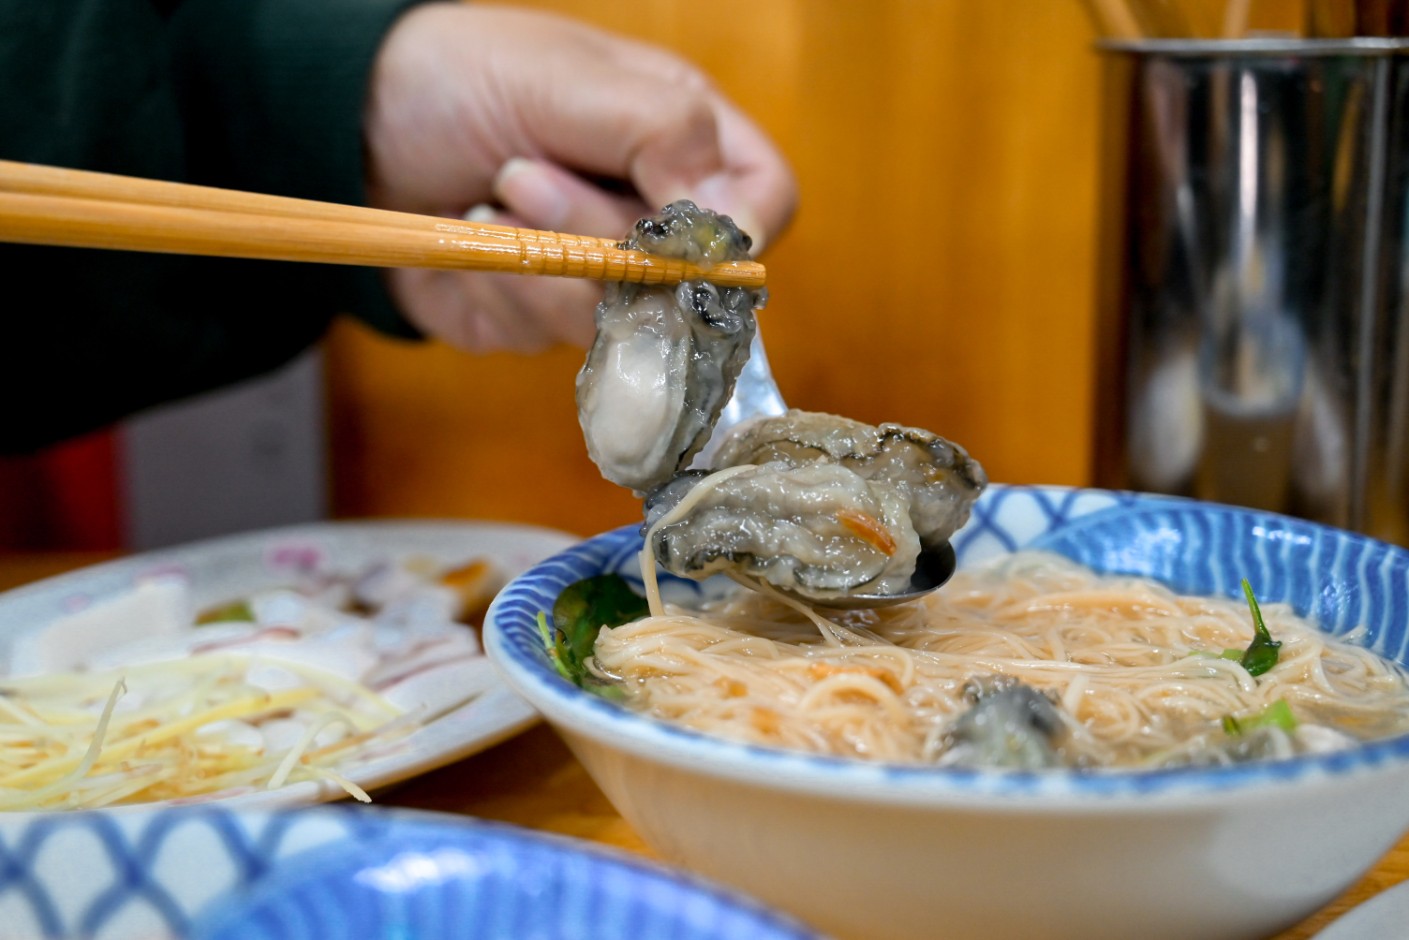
(608, 106)
(712, 154)
(484, 313)
(472, 104)
(460, 90)
(546, 196)
(755, 186)
(684, 141)
(718, 158)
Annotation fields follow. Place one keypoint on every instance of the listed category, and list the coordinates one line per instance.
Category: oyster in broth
(819, 531)
(665, 357)
(817, 505)
(938, 478)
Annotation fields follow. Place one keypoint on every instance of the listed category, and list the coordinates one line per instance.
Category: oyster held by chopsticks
(665, 357)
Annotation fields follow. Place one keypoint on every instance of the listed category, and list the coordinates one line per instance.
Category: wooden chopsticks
(44, 205)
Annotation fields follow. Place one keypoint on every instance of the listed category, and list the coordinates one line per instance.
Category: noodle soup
(896, 849)
(1027, 662)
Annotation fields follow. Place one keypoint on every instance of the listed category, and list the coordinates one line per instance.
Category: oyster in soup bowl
(903, 849)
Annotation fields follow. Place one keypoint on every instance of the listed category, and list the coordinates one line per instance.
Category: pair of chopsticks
(44, 205)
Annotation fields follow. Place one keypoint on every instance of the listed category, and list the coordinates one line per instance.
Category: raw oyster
(818, 505)
(665, 357)
(1009, 725)
(939, 478)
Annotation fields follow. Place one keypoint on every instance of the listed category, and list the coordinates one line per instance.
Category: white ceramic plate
(223, 569)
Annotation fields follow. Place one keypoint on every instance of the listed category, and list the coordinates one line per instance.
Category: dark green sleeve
(262, 95)
(272, 94)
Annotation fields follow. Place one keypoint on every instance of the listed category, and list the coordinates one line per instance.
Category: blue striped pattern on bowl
(1339, 579)
(341, 871)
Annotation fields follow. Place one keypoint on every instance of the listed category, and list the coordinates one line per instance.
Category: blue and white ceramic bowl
(215, 873)
(877, 851)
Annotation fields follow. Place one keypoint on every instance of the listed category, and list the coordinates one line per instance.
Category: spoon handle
(755, 395)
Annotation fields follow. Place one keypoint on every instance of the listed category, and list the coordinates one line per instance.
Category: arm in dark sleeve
(272, 95)
(262, 95)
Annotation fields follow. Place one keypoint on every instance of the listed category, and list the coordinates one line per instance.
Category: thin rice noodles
(1138, 675)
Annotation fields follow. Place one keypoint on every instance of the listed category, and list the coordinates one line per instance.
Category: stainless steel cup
(1253, 343)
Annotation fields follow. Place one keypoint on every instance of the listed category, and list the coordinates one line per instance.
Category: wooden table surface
(533, 780)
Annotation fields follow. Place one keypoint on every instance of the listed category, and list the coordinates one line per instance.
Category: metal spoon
(756, 395)
(933, 566)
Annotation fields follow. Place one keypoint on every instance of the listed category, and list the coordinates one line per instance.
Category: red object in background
(64, 498)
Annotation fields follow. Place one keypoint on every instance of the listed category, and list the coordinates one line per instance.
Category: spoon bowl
(934, 566)
(755, 395)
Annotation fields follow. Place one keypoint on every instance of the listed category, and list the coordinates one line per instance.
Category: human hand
(566, 128)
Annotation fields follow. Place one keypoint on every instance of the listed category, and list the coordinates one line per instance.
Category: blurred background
(939, 272)
(942, 272)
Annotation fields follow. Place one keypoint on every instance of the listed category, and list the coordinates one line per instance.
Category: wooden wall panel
(948, 144)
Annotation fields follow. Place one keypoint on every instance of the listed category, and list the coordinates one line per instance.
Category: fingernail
(528, 190)
(716, 193)
(483, 212)
(744, 219)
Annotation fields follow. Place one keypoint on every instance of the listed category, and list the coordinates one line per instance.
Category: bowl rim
(583, 713)
(395, 832)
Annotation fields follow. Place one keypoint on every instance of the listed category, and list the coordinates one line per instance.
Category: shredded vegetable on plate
(176, 730)
(297, 688)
